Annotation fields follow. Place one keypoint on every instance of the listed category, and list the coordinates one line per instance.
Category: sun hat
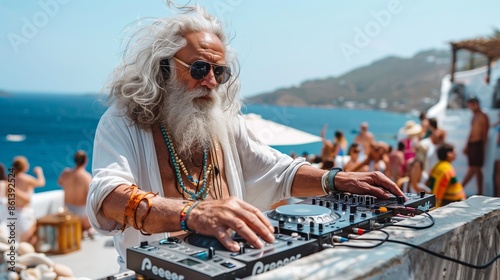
(411, 128)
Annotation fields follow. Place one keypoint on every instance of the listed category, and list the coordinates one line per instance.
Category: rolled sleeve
(112, 159)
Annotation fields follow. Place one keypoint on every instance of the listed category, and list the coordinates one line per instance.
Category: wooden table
(62, 232)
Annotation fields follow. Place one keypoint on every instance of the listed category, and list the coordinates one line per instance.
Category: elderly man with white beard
(173, 153)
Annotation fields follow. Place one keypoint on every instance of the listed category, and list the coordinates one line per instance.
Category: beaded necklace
(176, 161)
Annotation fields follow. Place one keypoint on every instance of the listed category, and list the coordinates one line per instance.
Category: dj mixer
(300, 229)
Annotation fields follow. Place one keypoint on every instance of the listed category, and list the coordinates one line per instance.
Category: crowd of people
(421, 160)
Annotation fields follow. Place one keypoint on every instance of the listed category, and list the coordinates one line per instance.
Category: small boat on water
(451, 110)
(15, 137)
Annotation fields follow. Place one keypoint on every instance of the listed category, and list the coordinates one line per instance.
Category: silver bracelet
(324, 183)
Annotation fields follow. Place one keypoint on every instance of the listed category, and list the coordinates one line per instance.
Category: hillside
(3, 93)
(392, 83)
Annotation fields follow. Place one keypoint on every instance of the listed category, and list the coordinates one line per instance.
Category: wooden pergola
(489, 47)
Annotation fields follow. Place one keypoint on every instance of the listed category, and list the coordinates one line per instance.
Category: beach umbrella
(275, 134)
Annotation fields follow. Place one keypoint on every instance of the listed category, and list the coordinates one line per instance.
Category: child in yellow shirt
(442, 179)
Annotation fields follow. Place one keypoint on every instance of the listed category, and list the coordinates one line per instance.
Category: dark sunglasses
(200, 69)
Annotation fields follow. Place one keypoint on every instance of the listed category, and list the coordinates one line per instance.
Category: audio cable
(387, 239)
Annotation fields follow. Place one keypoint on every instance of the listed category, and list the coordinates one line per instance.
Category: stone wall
(467, 230)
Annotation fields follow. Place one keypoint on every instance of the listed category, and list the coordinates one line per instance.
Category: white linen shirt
(125, 154)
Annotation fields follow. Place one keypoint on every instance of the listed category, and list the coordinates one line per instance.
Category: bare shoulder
(25, 180)
(65, 174)
(84, 175)
(484, 115)
(65, 171)
(483, 119)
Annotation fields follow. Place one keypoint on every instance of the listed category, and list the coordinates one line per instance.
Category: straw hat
(411, 128)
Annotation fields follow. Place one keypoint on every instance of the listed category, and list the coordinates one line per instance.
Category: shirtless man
(365, 139)
(396, 162)
(327, 152)
(25, 184)
(376, 160)
(476, 143)
(75, 183)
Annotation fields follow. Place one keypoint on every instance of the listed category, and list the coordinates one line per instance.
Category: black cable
(386, 239)
(413, 227)
(446, 257)
(382, 241)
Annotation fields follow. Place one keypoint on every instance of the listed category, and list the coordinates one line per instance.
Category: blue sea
(54, 126)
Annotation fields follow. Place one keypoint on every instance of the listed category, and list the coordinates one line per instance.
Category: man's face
(364, 127)
(436, 137)
(473, 106)
(355, 152)
(200, 46)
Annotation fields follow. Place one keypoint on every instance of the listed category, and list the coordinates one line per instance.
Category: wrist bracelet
(331, 178)
(324, 183)
(183, 215)
(187, 213)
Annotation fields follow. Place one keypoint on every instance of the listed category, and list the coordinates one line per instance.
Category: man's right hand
(37, 170)
(218, 217)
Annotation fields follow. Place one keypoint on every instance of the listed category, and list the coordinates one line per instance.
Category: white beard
(193, 122)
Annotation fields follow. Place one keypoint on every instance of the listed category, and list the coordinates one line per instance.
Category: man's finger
(258, 222)
(245, 232)
(226, 239)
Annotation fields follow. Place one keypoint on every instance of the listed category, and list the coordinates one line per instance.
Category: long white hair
(140, 87)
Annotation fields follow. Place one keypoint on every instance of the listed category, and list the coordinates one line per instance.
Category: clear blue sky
(71, 46)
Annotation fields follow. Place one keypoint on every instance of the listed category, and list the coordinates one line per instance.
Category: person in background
(414, 181)
(339, 143)
(376, 160)
(433, 126)
(354, 151)
(410, 132)
(327, 151)
(3, 181)
(442, 179)
(496, 170)
(4, 192)
(25, 184)
(309, 158)
(396, 162)
(365, 138)
(476, 143)
(427, 148)
(75, 183)
(425, 124)
(173, 152)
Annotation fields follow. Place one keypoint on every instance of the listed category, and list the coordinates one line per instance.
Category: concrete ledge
(467, 230)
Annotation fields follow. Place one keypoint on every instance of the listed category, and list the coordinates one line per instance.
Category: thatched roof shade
(490, 47)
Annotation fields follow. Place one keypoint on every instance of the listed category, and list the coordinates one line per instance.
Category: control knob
(211, 253)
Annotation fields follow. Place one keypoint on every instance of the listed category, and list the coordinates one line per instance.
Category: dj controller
(300, 229)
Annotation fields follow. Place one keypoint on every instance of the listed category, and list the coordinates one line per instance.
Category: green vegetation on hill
(392, 83)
